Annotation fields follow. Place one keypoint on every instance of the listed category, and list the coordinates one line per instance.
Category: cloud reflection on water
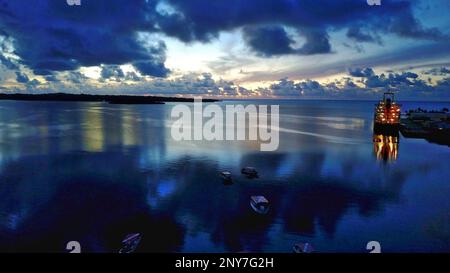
(56, 186)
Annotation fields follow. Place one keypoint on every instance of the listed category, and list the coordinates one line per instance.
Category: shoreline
(113, 99)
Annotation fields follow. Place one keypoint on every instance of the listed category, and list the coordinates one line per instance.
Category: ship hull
(380, 128)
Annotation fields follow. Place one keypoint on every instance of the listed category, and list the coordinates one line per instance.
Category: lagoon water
(95, 172)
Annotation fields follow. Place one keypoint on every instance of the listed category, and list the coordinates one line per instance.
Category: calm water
(94, 172)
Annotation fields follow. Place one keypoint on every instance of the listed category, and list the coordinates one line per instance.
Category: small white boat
(303, 248)
(250, 172)
(259, 204)
(130, 243)
(226, 176)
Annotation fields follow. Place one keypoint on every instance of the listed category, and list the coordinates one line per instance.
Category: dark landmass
(434, 126)
(114, 99)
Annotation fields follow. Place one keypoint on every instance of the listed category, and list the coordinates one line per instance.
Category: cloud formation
(360, 72)
(361, 83)
(264, 22)
(438, 71)
(52, 36)
(23, 78)
(53, 41)
(365, 84)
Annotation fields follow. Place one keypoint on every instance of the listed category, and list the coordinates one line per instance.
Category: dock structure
(431, 125)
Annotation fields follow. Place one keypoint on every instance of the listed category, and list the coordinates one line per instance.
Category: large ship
(387, 114)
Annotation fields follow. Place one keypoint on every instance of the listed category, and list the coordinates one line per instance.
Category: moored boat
(226, 177)
(303, 248)
(250, 172)
(130, 243)
(259, 204)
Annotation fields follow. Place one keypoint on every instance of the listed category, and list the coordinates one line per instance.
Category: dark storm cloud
(316, 42)
(406, 25)
(199, 20)
(22, 78)
(152, 68)
(269, 41)
(51, 36)
(43, 72)
(274, 40)
(359, 35)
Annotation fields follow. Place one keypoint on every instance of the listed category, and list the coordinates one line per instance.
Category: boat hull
(260, 209)
(380, 128)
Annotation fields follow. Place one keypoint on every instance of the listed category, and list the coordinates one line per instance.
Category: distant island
(114, 99)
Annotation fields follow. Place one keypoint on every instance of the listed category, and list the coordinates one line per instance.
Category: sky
(340, 49)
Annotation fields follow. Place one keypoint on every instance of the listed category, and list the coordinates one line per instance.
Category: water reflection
(95, 173)
(93, 135)
(385, 146)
